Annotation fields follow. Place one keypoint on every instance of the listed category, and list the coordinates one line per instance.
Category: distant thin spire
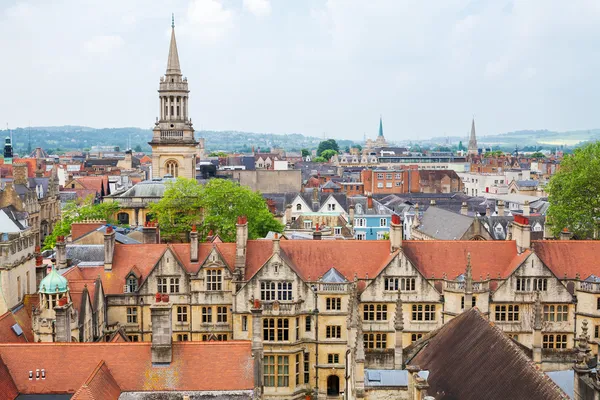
(172, 20)
(380, 125)
(173, 62)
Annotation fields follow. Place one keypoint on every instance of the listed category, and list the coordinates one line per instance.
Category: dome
(53, 283)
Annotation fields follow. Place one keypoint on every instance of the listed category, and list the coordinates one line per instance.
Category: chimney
(276, 247)
(521, 232)
(488, 211)
(317, 234)
(241, 241)
(20, 174)
(194, 244)
(464, 210)
(526, 209)
(500, 208)
(61, 252)
(395, 233)
(162, 330)
(128, 159)
(548, 228)
(432, 203)
(351, 215)
(62, 324)
(315, 194)
(109, 247)
(150, 233)
(565, 234)
(257, 347)
(288, 214)
(369, 200)
(39, 259)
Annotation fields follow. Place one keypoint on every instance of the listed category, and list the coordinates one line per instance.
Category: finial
(173, 20)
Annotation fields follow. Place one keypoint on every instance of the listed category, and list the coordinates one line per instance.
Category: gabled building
(370, 219)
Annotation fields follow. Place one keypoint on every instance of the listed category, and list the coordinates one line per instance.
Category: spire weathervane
(172, 20)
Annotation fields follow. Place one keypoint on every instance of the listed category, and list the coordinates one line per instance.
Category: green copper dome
(53, 283)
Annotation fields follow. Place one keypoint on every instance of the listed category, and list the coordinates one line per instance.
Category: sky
(317, 67)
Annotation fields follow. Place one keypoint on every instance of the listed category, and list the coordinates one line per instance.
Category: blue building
(371, 219)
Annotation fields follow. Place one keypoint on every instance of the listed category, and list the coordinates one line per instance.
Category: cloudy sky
(318, 67)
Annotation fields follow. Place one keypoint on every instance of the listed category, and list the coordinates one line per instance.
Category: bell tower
(173, 143)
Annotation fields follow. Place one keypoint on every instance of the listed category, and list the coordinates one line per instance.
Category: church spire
(173, 67)
(380, 127)
(472, 149)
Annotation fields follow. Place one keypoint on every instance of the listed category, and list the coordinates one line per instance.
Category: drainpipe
(346, 375)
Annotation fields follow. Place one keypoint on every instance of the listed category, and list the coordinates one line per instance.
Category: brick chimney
(62, 324)
(369, 200)
(565, 234)
(464, 209)
(288, 214)
(194, 244)
(20, 174)
(61, 252)
(500, 205)
(162, 330)
(241, 241)
(351, 215)
(150, 233)
(521, 232)
(109, 247)
(395, 233)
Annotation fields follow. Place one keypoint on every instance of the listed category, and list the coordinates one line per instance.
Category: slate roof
(469, 358)
(149, 188)
(377, 209)
(448, 201)
(527, 183)
(498, 226)
(85, 252)
(16, 220)
(281, 200)
(444, 225)
(119, 237)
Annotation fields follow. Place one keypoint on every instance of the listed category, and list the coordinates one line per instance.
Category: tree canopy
(327, 154)
(329, 144)
(574, 193)
(305, 152)
(77, 212)
(213, 207)
(538, 154)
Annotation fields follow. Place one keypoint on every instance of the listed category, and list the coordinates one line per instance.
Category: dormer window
(298, 207)
(214, 280)
(131, 285)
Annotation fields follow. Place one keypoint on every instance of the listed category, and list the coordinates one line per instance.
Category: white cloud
(260, 8)
(103, 44)
(207, 20)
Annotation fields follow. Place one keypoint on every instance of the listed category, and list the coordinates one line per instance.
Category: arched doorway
(123, 218)
(333, 385)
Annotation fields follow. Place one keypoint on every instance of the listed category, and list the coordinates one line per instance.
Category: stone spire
(380, 127)
(537, 329)
(399, 316)
(583, 349)
(468, 284)
(173, 67)
(399, 327)
(472, 149)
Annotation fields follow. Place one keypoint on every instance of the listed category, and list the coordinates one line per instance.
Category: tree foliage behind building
(574, 193)
(329, 144)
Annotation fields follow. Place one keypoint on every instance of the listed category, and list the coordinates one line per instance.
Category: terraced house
(308, 305)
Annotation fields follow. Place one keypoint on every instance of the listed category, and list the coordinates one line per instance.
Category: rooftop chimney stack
(61, 252)
(109, 247)
(351, 215)
(565, 234)
(369, 200)
(500, 208)
(194, 244)
(521, 232)
(526, 209)
(20, 174)
(464, 210)
(62, 324)
(150, 233)
(288, 214)
(162, 330)
(276, 246)
(395, 233)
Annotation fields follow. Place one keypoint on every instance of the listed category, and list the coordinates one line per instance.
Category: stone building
(304, 304)
(174, 147)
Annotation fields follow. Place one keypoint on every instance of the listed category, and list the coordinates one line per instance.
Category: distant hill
(540, 138)
(67, 138)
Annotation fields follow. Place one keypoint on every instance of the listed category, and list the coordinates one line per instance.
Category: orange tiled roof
(7, 335)
(101, 385)
(570, 257)
(68, 365)
(433, 258)
(7, 384)
(93, 182)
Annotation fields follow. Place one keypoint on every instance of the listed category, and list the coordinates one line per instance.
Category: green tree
(461, 146)
(327, 154)
(538, 154)
(217, 154)
(574, 193)
(319, 159)
(78, 211)
(357, 146)
(213, 207)
(305, 152)
(137, 148)
(329, 144)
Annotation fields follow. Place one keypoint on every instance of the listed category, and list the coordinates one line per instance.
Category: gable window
(333, 358)
(558, 313)
(182, 313)
(276, 329)
(131, 285)
(206, 315)
(375, 340)
(132, 315)
(333, 332)
(540, 284)
(462, 302)
(174, 285)
(375, 312)
(284, 291)
(404, 284)
(423, 312)
(508, 313)
(298, 207)
(523, 284)
(330, 207)
(162, 285)
(333, 303)
(213, 279)
(222, 314)
(267, 291)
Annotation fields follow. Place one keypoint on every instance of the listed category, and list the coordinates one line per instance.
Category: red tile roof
(101, 385)
(93, 182)
(433, 258)
(7, 384)
(68, 365)
(7, 335)
(570, 257)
